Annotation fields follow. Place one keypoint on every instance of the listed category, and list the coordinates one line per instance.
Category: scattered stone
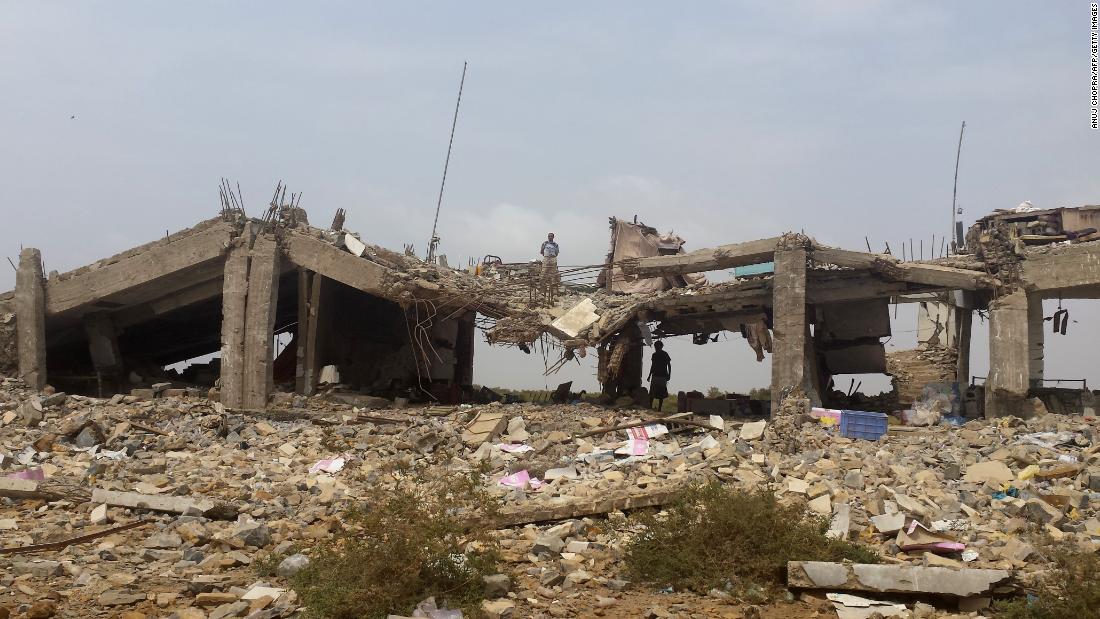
(293, 564)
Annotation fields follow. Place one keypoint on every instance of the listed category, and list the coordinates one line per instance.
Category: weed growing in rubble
(1070, 591)
(718, 537)
(401, 546)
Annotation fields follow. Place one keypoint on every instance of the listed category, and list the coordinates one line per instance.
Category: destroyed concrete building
(230, 285)
(392, 324)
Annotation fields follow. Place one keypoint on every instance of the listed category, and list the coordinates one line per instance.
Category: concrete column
(315, 333)
(259, 324)
(301, 338)
(1006, 387)
(1035, 334)
(30, 315)
(964, 321)
(464, 350)
(103, 344)
(234, 295)
(789, 327)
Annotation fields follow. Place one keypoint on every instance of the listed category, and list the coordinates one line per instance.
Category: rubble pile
(164, 506)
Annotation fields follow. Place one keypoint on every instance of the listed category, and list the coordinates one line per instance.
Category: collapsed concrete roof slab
(722, 257)
(1056, 268)
(106, 280)
(332, 262)
(915, 272)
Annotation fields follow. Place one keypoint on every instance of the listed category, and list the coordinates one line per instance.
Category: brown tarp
(630, 240)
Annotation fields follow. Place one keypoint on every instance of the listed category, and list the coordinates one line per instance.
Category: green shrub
(713, 536)
(400, 547)
(1070, 591)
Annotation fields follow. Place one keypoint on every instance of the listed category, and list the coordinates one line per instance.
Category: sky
(721, 121)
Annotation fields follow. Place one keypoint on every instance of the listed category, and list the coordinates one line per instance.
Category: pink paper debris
(522, 480)
(328, 465)
(34, 474)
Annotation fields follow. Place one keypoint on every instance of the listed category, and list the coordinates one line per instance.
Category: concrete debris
(854, 607)
(894, 578)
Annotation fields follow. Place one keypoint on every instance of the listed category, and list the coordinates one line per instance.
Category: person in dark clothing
(660, 370)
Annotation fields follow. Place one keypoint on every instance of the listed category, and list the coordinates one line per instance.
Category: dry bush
(1070, 591)
(400, 547)
(718, 537)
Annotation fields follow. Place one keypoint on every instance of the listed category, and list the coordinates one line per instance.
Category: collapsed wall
(910, 370)
(9, 353)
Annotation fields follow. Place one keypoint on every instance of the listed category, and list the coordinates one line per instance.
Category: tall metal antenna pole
(955, 190)
(434, 241)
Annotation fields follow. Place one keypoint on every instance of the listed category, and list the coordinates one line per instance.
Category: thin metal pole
(446, 163)
(955, 190)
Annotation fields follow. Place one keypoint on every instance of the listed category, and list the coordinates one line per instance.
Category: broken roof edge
(177, 236)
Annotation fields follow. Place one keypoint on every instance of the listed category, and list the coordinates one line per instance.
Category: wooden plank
(711, 259)
(139, 268)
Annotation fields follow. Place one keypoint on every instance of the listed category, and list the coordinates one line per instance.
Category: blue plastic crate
(862, 424)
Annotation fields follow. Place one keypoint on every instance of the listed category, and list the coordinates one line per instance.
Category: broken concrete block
(577, 319)
(158, 503)
(894, 578)
(1039, 511)
(752, 431)
(30, 412)
(484, 427)
(354, 245)
(498, 609)
(329, 375)
(888, 523)
(821, 505)
(992, 470)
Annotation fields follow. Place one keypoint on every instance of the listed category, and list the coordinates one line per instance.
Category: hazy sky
(721, 121)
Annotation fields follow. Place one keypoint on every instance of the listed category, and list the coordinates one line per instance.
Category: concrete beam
(1006, 387)
(234, 301)
(1061, 268)
(333, 262)
(914, 272)
(712, 259)
(191, 295)
(879, 578)
(262, 301)
(85, 287)
(30, 316)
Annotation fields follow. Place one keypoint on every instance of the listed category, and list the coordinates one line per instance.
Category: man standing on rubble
(660, 370)
(551, 279)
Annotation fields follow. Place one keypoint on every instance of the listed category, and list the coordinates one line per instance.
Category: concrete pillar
(789, 327)
(1006, 387)
(464, 350)
(259, 324)
(103, 344)
(1035, 333)
(234, 296)
(964, 321)
(30, 315)
(316, 332)
(301, 338)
